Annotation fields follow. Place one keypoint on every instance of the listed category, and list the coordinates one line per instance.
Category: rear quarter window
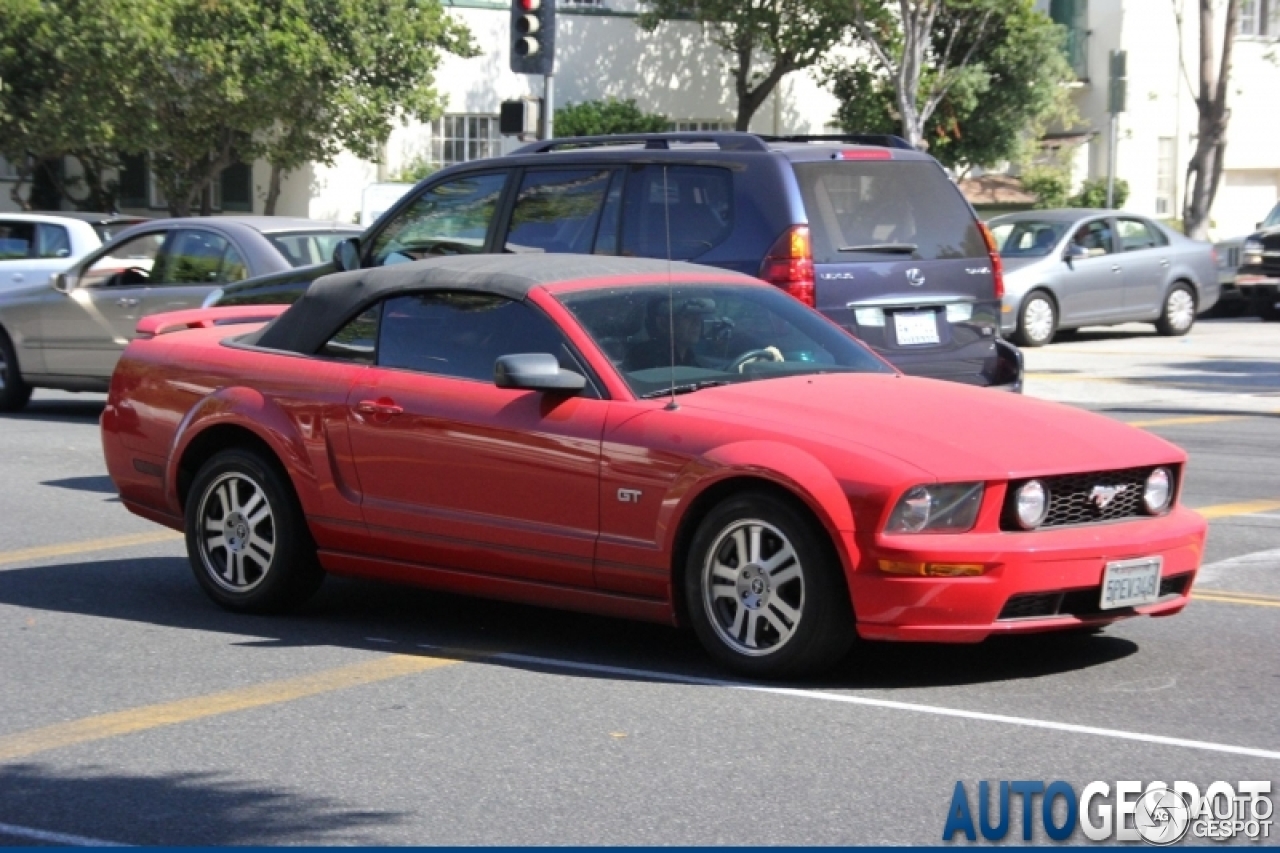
(677, 212)
(855, 205)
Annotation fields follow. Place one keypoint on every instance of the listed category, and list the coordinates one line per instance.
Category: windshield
(304, 248)
(1027, 238)
(723, 334)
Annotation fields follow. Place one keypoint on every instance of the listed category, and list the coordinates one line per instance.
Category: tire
(745, 616)
(247, 538)
(1037, 320)
(14, 392)
(1265, 305)
(1178, 314)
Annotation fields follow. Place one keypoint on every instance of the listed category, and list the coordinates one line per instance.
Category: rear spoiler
(206, 318)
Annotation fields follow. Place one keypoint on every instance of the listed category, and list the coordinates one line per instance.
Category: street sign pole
(548, 106)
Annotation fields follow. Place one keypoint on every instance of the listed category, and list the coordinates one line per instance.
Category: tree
(1204, 170)
(925, 49)
(596, 118)
(765, 39)
(1093, 194)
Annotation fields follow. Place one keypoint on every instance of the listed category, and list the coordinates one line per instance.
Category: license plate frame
(916, 328)
(1130, 583)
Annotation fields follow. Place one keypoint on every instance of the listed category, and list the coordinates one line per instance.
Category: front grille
(1074, 501)
(1081, 603)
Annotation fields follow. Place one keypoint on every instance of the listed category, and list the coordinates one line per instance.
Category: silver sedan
(1070, 268)
(69, 333)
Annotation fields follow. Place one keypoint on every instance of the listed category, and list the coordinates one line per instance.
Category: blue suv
(865, 229)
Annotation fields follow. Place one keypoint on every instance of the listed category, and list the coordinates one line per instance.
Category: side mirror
(346, 255)
(535, 371)
(60, 282)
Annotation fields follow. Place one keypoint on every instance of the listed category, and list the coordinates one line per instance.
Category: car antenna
(671, 295)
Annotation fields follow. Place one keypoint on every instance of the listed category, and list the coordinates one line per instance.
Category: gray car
(1070, 268)
(69, 332)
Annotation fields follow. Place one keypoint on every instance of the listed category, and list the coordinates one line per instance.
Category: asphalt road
(135, 712)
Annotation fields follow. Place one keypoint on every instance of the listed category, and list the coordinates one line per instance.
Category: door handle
(126, 302)
(17, 278)
(1115, 268)
(1164, 262)
(379, 407)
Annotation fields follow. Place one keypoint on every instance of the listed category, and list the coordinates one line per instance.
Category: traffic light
(533, 36)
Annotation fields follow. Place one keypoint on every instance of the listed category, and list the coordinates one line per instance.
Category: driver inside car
(687, 322)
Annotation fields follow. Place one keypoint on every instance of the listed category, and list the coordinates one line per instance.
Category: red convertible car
(631, 437)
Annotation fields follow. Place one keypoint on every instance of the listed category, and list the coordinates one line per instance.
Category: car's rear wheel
(1179, 312)
(765, 590)
(247, 538)
(1037, 320)
(14, 392)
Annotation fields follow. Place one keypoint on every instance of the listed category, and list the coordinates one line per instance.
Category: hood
(955, 432)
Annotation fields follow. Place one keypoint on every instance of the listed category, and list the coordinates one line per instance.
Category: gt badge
(629, 496)
(1103, 495)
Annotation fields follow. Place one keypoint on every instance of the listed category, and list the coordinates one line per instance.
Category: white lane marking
(1028, 722)
(56, 837)
(1215, 571)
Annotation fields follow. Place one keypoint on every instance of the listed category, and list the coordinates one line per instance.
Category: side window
(1094, 237)
(461, 334)
(233, 266)
(558, 211)
(694, 204)
(193, 257)
(449, 219)
(52, 241)
(1136, 235)
(128, 263)
(356, 341)
(607, 236)
(17, 240)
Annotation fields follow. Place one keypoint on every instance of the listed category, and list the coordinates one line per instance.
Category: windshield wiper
(685, 389)
(897, 248)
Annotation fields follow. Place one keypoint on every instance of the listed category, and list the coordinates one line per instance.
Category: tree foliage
(595, 118)
(1004, 84)
(765, 39)
(1093, 194)
(198, 84)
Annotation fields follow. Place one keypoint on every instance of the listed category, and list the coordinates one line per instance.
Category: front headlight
(1251, 253)
(946, 508)
(1031, 504)
(1158, 493)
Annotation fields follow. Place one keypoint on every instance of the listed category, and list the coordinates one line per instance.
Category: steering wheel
(766, 354)
(132, 275)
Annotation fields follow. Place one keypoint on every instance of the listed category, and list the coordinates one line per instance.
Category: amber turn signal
(937, 570)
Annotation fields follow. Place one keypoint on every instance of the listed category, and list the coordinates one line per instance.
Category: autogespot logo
(1156, 813)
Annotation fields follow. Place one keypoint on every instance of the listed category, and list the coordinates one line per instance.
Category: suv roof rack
(727, 140)
(884, 140)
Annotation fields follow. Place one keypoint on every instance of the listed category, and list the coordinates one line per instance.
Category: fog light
(1159, 491)
(1033, 504)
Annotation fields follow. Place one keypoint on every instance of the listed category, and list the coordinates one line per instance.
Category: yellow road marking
(24, 744)
(1243, 508)
(87, 546)
(1198, 419)
(1237, 598)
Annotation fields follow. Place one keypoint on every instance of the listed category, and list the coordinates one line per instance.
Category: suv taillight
(997, 265)
(789, 264)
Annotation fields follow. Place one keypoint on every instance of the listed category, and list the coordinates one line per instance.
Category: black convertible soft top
(334, 299)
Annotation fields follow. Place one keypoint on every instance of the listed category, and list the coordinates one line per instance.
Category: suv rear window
(856, 207)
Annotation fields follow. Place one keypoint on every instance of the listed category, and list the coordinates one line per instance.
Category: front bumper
(1048, 580)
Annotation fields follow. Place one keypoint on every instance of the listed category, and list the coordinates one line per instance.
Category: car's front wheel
(765, 590)
(1265, 303)
(1037, 320)
(247, 538)
(14, 392)
(1179, 312)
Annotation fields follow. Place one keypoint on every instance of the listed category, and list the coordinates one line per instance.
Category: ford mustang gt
(632, 437)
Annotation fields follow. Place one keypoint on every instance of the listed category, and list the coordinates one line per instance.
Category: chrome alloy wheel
(1180, 309)
(1038, 319)
(237, 532)
(753, 588)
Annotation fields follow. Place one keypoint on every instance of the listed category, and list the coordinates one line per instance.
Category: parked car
(1259, 275)
(68, 333)
(720, 456)
(34, 246)
(1229, 259)
(867, 230)
(1070, 268)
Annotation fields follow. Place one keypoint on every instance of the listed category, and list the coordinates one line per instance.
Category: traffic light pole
(548, 107)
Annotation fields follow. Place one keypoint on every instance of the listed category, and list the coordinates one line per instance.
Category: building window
(459, 138)
(134, 179)
(235, 188)
(1260, 18)
(1165, 179)
(696, 126)
(1074, 16)
(8, 171)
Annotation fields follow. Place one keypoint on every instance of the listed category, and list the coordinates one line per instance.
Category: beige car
(69, 332)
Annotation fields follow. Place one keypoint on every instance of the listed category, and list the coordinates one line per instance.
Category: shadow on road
(348, 613)
(100, 484)
(114, 807)
(59, 411)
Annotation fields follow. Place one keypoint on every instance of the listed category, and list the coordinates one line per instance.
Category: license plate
(1128, 583)
(916, 327)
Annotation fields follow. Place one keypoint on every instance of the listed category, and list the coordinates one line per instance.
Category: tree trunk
(750, 100)
(1204, 169)
(273, 190)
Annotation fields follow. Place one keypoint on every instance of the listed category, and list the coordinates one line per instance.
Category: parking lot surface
(138, 713)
